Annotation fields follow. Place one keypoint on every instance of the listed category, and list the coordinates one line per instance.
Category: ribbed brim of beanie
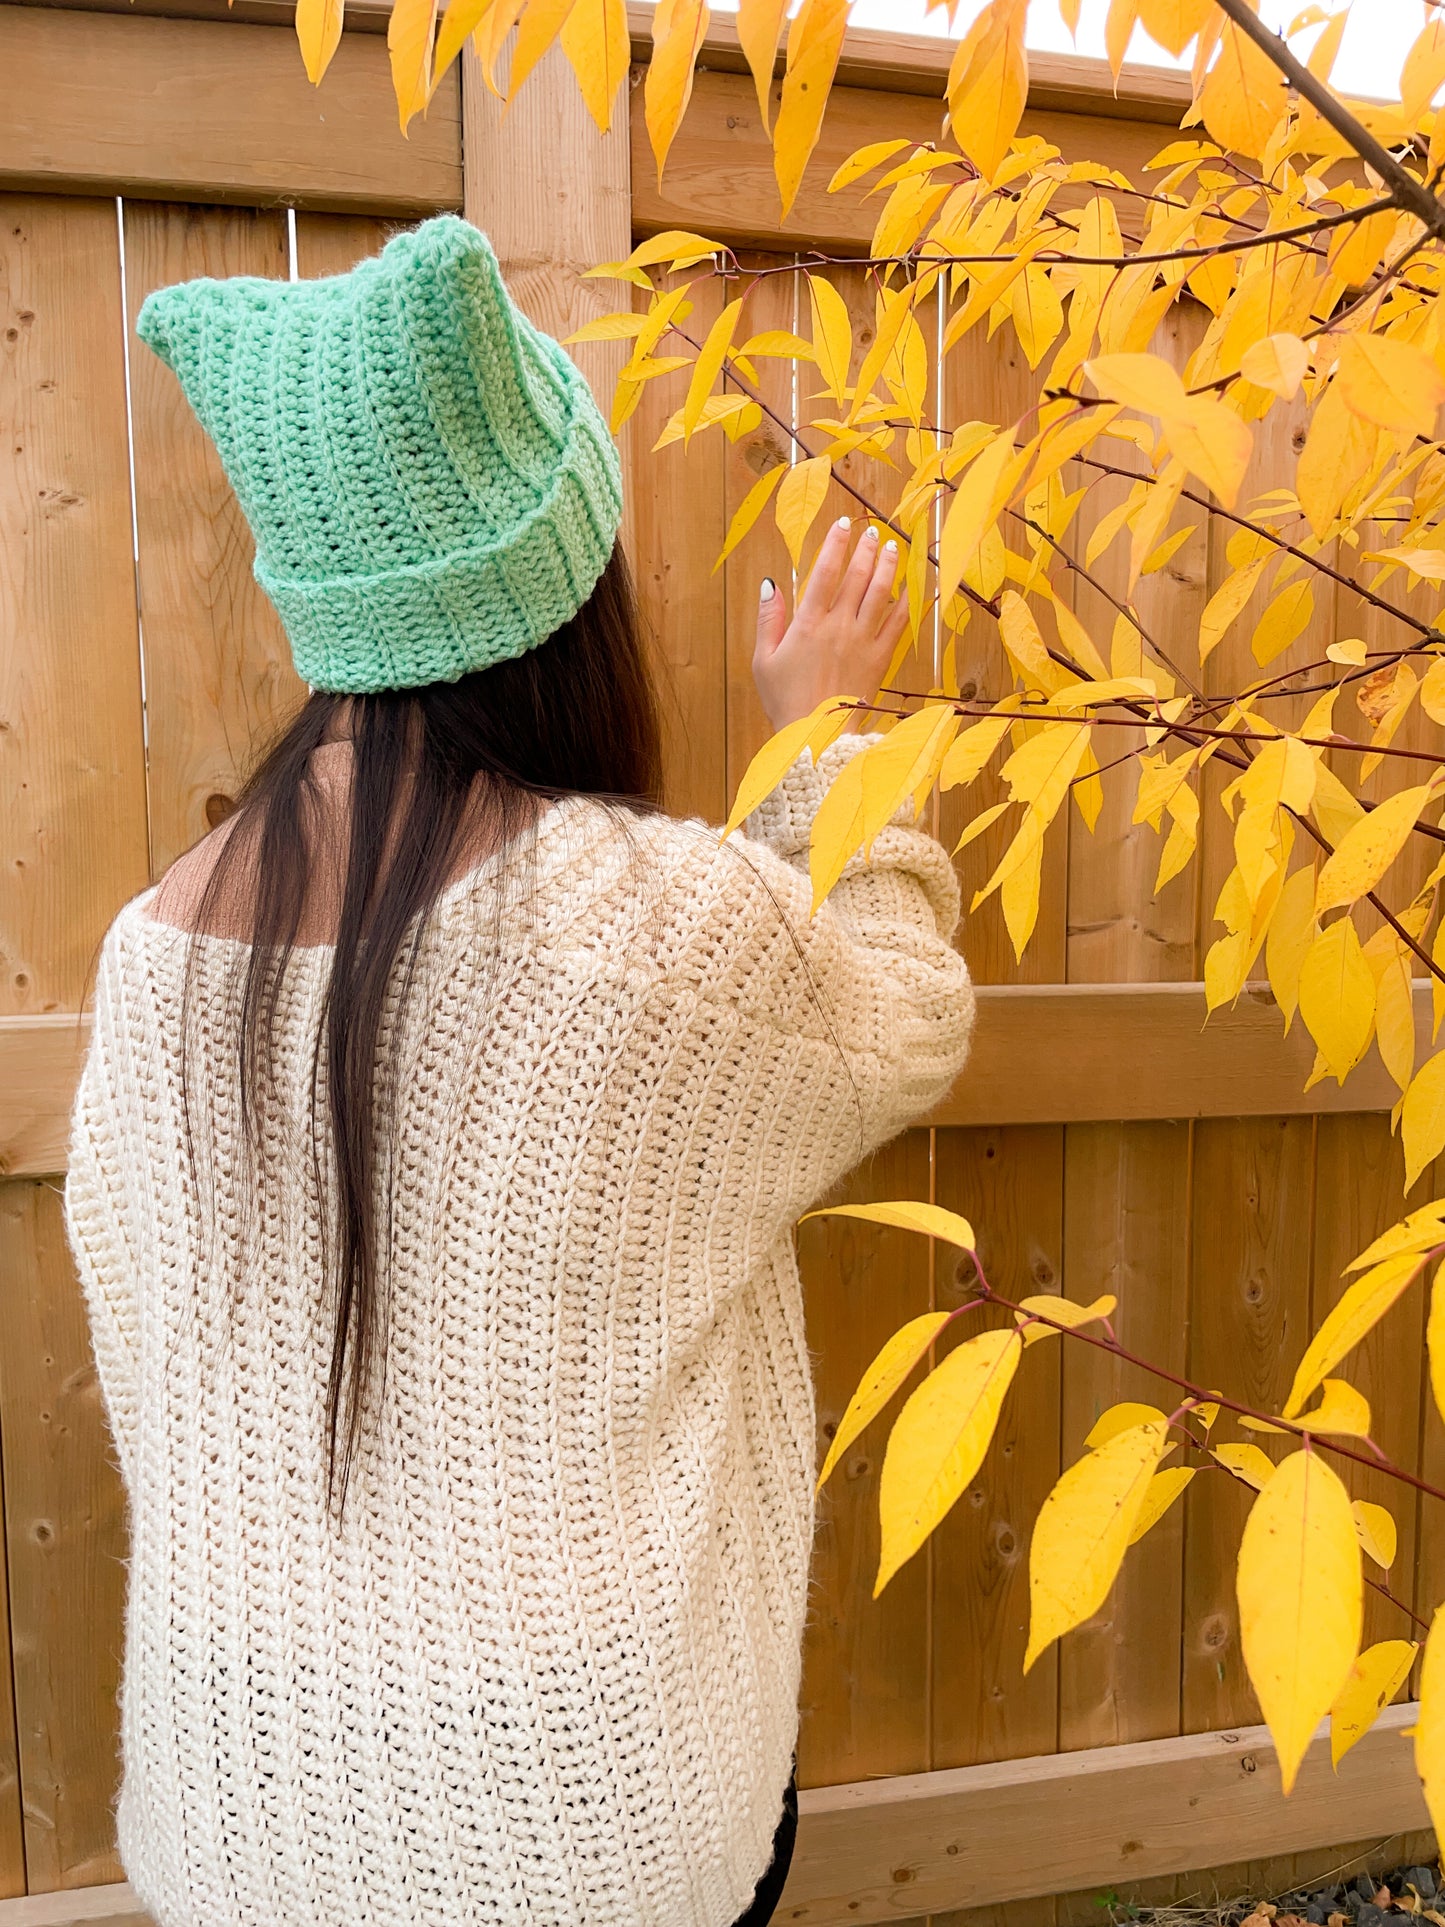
(429, 482)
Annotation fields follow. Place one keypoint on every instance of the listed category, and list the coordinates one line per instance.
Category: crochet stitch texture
(546, 1673)
(428, 479)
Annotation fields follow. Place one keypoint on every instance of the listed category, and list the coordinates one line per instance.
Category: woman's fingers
(876, 597)
(772, 618)
(818, 598)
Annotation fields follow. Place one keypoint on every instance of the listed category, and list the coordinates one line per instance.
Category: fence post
(555, 196)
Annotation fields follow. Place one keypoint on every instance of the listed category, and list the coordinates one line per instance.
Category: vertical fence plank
(1249, 1313)
(65, 1523)
(772, 305)
(1009, 1185)
(1359, 1193)
(678, 525)
(219, 680)
(1126, 1230)
(866, 1662)
(72, 768)
(333, 243)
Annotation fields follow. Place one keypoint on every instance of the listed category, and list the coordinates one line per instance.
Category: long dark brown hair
(431, 769)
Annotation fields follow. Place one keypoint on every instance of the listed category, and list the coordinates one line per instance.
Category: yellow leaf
(490, 31)
(1432, 690)
(1386, 381)
(1224, 606)
(778, 755)
(318, 29)
(872, 786)
(971, 511)
(881, 1380)
(1358, 1312)
(1301, 1601)
(1146, 382)
(538, 27)
(938, 1443)
(1430, 1724)
(1422, 1118)
(1435, 1340)
(1417, 1233)
(749, 509)
(1292, 930)
(678, 30)
(1122, 1418)
(1336, 455)
(760, 25)
(1277, 363)
(1423, 71)
(1025, 645)
(1078, 644)
(1335, 809)
(1426, 563)
(1375, 1528)
(1019, 890)
(970, 754)
(1341, 1413)
(708, 366)
(677, 248)
(1374, 1680)
(1285, 619)
(1351, 650)
(1337, 998)
(803, 491)
(1214, 444)
(815, 40)
(1174, 23)
(1037, 312)
(894, 313)
(1084, 1529)
(988, 84)
(1370, 848)
(865, 159)
(599, 52)
(459, 22)
(1164, 1488)
(931, 1220)
(1059, 1312)
(1243, 98)
(1246, 1462)
(409, 42)
(832, 335)
(978, 824)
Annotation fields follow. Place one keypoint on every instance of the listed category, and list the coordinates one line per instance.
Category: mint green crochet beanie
(427, 477)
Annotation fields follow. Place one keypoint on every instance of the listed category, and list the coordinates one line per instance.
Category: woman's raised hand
(842, 638)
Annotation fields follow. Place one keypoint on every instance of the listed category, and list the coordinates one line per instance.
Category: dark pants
(769, 1889)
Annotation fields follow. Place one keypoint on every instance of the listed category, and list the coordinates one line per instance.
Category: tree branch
(1407, 192)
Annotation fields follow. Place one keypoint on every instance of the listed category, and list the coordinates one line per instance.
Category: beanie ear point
(152, 324)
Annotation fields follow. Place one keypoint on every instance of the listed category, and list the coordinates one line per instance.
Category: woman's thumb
(772, 616)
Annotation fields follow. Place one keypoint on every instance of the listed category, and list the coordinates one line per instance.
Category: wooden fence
(1103, 1139)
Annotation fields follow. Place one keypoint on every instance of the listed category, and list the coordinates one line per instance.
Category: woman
(435, 1161)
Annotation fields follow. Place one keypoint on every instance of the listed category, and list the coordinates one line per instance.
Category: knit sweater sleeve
(863, 1010)
(96, 1226)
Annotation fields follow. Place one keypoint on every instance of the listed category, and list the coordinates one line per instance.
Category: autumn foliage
(1307, 230)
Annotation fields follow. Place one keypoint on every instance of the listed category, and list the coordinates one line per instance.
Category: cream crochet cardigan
(547, 1672)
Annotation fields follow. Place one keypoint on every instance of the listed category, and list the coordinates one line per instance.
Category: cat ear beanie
(429, 481)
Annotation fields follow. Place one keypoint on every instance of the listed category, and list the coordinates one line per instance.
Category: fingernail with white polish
(769, 589)
(870, 534)
(845, 522)
(890, 548)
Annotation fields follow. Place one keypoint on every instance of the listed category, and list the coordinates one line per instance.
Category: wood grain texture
(1043, 1054)
(215, 111)
(555, 197)
(866, 1671)
(1126, 1231)
(219, 681)
(72, 763)
(999, 1833)
(1253, 1212)
(775, 304)
(113, 1902)
(65, 1527)
(334, 243)
(719, 179)
(678, 523)
(1009, 1185)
